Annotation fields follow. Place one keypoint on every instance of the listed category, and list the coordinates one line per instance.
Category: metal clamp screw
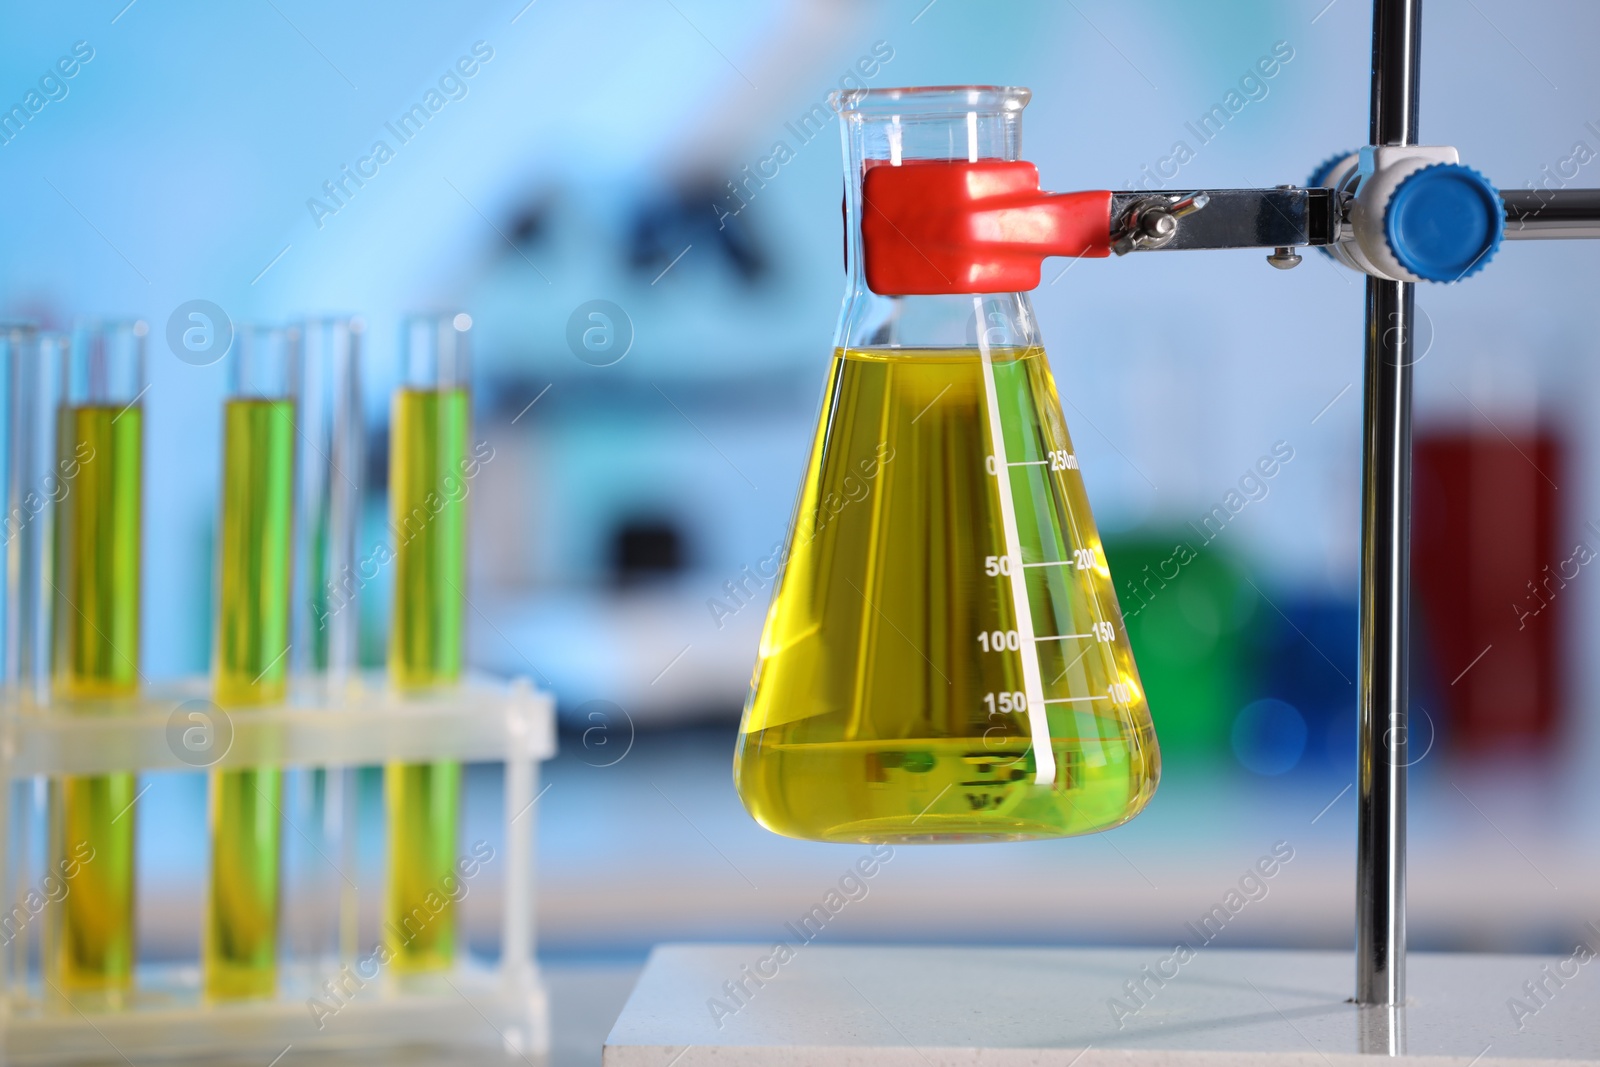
(1284, 257)
(1153, 222)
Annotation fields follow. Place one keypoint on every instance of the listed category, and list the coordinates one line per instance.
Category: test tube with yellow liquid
(428, 430)
(95, 656)
(255, 553)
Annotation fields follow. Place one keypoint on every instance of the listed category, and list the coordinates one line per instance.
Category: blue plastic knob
(1444, 222)
(1319, 177)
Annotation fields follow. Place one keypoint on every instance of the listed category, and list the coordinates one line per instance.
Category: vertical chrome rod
(1386, 553)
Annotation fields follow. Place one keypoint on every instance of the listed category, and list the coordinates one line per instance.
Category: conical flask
(944, 658)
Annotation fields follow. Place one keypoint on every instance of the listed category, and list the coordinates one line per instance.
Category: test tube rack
(474, 1009)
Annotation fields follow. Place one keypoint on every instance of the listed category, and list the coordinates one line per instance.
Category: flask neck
(891, 127)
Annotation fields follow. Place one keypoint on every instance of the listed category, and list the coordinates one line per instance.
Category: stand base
(469, 1014)
(838, 1006)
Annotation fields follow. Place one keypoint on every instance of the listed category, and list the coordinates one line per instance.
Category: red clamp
(934, 227)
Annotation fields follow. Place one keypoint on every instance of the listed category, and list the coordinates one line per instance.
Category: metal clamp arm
(1233, 218)
(1405, 213)
(1289, 217)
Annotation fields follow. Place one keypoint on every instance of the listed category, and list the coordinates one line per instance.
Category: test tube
(319, 904)
(28, 463)
(29, 494)
(255, 556)
(428, 434)
(326, 624)
(95, 659)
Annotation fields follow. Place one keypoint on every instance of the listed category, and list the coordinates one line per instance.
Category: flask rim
(930, 100)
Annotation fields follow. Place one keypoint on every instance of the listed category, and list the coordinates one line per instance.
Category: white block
(842, 1006)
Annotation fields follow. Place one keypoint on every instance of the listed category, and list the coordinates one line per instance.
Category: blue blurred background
(604, 150)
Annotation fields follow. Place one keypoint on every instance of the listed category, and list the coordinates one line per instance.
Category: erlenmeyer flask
(944, 658)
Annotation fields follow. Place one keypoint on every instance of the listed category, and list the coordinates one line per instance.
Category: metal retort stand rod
(1386, 554)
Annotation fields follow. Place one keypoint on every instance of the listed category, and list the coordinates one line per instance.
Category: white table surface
(1009, 1007)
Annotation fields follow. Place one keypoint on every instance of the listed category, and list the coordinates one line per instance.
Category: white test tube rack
(472, 1009)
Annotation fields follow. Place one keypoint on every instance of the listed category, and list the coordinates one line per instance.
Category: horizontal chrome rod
(1552, 214)
(1278, 218)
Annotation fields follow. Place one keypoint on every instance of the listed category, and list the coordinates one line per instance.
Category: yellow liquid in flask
(944, 658)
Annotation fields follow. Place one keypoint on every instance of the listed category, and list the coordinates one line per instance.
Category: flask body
(944, 658)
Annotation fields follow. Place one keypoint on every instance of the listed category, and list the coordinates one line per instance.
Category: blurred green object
(1187, 607)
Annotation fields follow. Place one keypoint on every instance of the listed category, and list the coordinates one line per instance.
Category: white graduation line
(1044, 756)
